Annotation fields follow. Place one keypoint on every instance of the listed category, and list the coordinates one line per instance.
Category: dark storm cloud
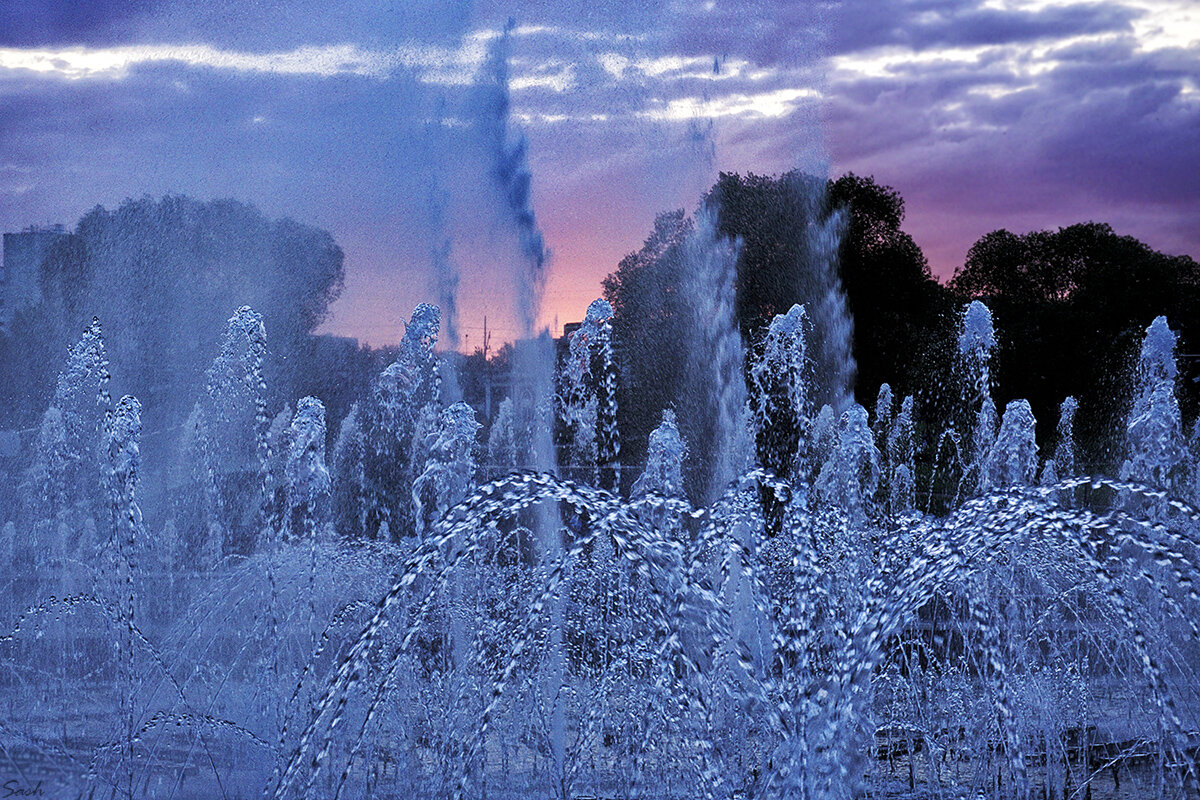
(795, 34)
(768, 33)
(921, 24)
(1104, 128)
(229, 23)
(157, 108)
(35, 23)
(917, 105)
(638, 19)
(982, 117)
(1117, 64)
(1137, 140)
(279, 25)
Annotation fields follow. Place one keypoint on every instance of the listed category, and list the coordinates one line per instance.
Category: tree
(163, 275)
(771, 216)
(897, 306)
(649, 321)
(1070, 308)
(900, 312)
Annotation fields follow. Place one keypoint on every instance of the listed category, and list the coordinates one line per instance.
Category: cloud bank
(983, 114)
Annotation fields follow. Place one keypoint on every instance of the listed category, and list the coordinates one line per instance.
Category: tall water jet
(533, 385)
(348, 482)
(976, 343)
(66, 500)
(123, 441)
(589, 398)
(664, 460)
(881, 419)
(823, 240)
(780, 383)
(900, 455)
(307, 479)
(851, 475)
(1013, 458)
(306, 489)
(230, 431)
(449, 470)
(1062, 465)
(445, 271)
(1153, 429)
(716, 394)
(507, 154)
(446, 278)
(503, 448)
(402, 408)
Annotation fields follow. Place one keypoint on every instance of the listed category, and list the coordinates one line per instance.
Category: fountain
(393, 621)
(774, 606)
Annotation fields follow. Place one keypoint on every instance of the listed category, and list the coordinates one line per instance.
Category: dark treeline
(1070, 306)
(163, 276)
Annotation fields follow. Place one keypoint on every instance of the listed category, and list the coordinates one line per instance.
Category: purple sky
(365, 118)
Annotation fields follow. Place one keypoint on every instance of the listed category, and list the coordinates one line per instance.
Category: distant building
(562, 345)
(23, 255)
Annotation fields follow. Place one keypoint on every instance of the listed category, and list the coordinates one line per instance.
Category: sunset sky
(367, 119)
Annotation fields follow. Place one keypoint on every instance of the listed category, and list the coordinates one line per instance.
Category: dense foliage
(163, 275)
(1070, 305)
(304, 622)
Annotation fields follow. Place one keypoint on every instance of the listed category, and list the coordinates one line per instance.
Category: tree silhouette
(1070, 308)
(164, 275)
(898, 308)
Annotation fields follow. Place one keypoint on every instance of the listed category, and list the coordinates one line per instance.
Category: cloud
(78, 63)
(1030, 135)
(35, 23)
(926, 24)
(983, 114)
(788, 35)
